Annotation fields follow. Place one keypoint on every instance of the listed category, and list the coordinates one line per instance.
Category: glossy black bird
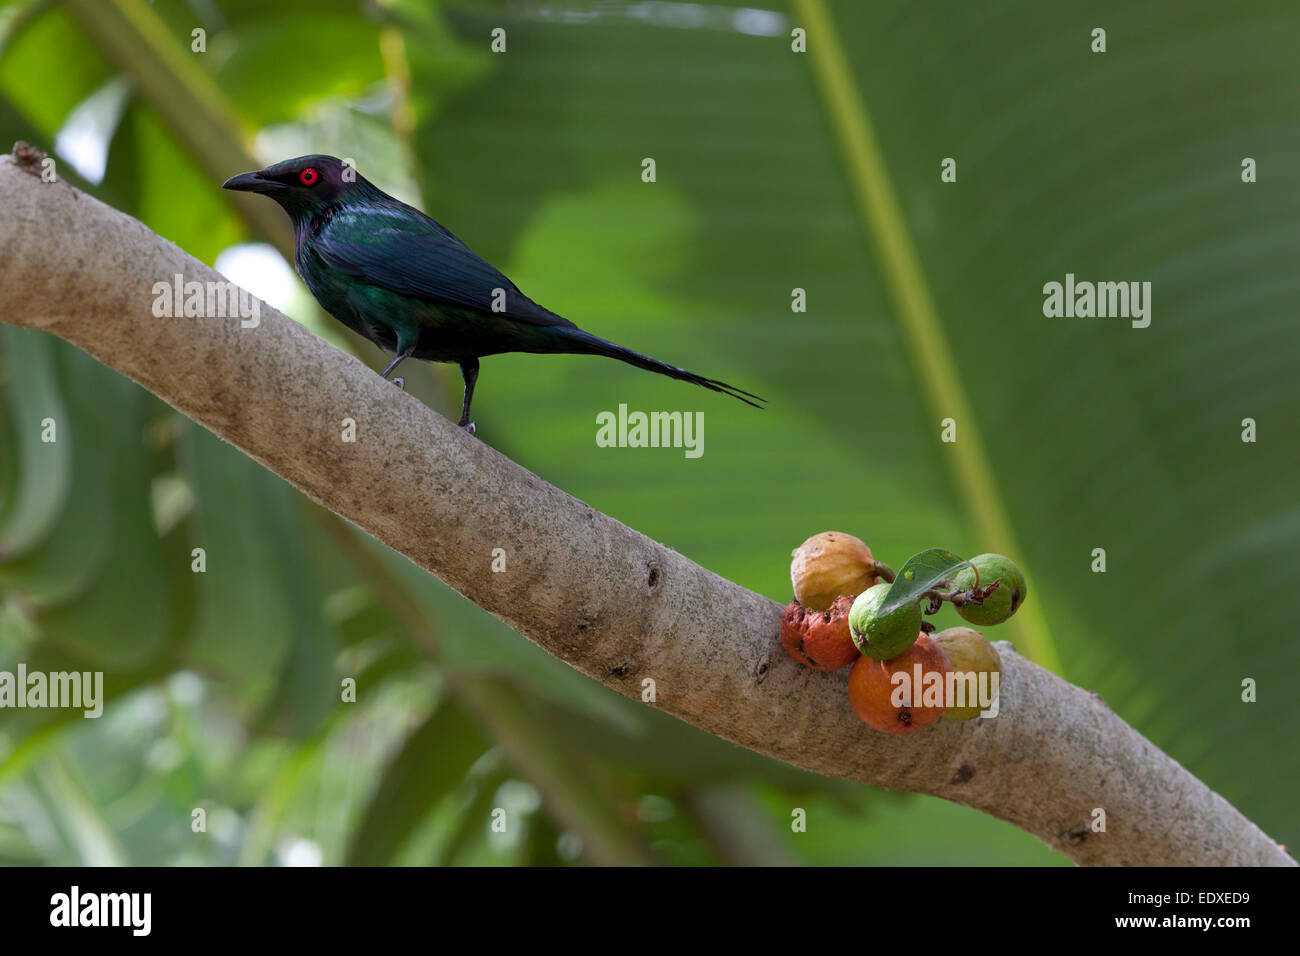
(392, 274)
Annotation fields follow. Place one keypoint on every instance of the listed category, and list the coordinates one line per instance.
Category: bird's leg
(401, 357)
(469, 372)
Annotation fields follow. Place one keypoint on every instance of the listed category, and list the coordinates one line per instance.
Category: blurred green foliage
(225, 686)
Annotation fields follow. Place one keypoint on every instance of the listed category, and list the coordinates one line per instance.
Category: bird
(403, 281)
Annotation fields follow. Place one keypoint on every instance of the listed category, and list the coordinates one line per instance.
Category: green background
(1120, 166)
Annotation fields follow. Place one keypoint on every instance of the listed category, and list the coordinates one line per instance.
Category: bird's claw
(399, 382)
(469, 427)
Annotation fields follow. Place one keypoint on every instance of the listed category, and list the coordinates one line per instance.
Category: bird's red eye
(308, 177)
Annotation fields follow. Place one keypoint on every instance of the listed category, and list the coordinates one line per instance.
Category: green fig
(1003, 602)
(883, 637)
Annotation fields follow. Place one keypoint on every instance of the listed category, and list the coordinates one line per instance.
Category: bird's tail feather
(588, 344)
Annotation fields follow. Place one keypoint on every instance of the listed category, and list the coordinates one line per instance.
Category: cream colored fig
(975, 663)
(829, 565)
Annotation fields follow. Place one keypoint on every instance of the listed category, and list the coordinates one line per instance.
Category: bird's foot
(399, 382)
(468, 427)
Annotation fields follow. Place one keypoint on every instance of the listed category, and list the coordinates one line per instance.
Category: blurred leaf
(9, 461)
(474, 818)
(202, 222)
(50, 67)
(37, 730)
(541, 842)
(284, 55)
(244, 623)
(309, 685)
(32, 393)
(738, 829)
(76, 546)
(122, 618)
(85, 832)
(440, 64)
(434, 759)
(184, 98)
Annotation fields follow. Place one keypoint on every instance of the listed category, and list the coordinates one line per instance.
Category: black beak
(251, 183)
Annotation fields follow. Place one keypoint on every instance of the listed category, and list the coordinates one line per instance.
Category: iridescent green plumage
(393, 275)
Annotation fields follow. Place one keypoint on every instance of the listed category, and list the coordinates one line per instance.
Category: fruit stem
(975, 595)
(884, 572)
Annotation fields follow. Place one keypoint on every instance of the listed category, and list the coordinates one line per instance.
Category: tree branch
(608, 600)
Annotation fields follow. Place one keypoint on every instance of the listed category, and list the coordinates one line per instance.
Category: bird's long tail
(587, 344)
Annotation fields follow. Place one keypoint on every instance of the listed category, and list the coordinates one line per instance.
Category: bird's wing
(400, 249)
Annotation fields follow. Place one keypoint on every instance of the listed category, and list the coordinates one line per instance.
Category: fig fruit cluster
(902, 678)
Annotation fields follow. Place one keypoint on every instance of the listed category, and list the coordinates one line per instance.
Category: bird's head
(303, 185)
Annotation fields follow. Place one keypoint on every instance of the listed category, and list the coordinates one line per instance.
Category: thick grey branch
(608, 600)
